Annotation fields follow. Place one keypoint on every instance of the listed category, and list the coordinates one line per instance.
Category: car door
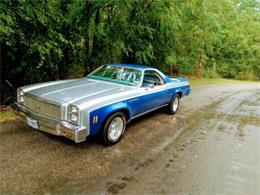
(153, 92)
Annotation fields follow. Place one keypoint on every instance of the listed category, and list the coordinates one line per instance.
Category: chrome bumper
(54, 126)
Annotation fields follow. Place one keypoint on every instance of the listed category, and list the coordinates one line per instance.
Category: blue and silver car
(101, 103)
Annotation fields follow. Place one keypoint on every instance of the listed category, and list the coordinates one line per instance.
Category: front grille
(42, 107)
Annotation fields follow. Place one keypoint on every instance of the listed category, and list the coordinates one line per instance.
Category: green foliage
(210, 73)
(31, 40)
(56, 39)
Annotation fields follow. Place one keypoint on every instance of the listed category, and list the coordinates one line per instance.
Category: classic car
(101, 103)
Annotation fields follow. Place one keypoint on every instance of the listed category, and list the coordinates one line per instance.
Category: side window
(152, 77)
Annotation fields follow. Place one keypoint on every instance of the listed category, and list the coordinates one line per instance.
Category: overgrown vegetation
(7, 114)
(204, 81)
(56, 39)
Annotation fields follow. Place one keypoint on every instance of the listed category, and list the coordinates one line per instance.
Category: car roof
(136, 66)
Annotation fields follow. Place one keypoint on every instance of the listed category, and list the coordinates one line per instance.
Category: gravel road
(211, 146)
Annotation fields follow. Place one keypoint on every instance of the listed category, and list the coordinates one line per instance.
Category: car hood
(75, 90)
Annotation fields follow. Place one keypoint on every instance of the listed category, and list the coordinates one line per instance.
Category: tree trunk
(63, 65)
(198, 68)
(96, 42)
(89, 10)
(1, 75)
(170, 72)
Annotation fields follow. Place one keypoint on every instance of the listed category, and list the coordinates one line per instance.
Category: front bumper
(54, 126)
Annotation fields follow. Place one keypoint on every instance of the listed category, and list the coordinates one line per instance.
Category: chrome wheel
(115, 129)
(175, 104)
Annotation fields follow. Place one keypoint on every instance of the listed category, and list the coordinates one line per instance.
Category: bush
(247, 75)
(210, 73)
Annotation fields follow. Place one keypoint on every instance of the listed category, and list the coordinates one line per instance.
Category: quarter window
(152, 77)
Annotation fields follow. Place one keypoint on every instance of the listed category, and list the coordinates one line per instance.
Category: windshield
(118, 74)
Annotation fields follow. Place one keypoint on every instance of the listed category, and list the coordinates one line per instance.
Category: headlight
(73, 114)
(74, 109)
(20, 95)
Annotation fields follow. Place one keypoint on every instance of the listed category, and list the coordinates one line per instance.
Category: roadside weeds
(7, 114)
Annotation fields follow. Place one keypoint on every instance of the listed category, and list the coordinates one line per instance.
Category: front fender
(98, 117)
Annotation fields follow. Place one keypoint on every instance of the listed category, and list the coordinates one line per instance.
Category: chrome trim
(41, 99)
(55, 126)
(115, 129)
(175, 104)
(42, 106)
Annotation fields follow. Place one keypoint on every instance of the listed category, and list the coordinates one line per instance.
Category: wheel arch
(179, 93)
(103, 114)
(125, 111)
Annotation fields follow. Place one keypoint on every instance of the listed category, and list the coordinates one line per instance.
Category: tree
(54, 39)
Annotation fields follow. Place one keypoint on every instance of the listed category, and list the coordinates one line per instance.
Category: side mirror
(161, 82)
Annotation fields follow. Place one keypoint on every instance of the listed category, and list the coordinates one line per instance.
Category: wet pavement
(211, 146)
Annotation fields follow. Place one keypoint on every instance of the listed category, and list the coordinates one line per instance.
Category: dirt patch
(116, 187)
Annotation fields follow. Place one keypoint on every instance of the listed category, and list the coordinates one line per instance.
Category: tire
(114, 128)
(174, 104)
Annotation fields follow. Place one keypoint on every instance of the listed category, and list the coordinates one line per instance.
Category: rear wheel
(114, 128)
(174, 104)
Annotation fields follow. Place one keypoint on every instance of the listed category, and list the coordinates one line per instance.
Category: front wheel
(114, 128)
(174, 104)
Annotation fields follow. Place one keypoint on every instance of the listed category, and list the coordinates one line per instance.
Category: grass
(198, 82)
(7, 115)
